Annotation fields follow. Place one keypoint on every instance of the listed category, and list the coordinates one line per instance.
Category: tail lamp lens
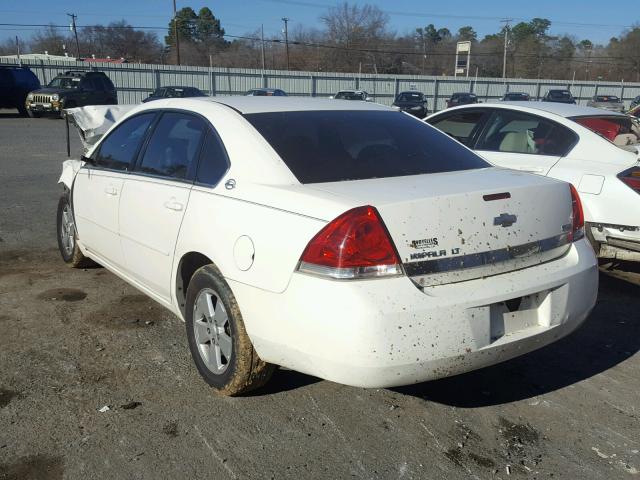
(354, 245)
(631, 177)
(577, 215)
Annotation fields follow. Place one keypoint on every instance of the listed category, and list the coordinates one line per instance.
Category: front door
(155, 197)
(97, 189)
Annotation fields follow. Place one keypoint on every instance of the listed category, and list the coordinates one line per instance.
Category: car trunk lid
(451, 227)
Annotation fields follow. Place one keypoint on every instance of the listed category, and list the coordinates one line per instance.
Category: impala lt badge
(505, 220)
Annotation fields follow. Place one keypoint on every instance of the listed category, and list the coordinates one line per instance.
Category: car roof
(248, 105)
(565, 110)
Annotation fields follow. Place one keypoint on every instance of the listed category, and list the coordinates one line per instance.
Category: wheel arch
(187, 266)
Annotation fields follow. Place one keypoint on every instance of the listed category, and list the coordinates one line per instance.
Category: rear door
(155, 197)
(97, 188)
(522, 141)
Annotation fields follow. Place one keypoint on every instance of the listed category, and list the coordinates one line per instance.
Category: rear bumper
(619, 242)
(383, 333)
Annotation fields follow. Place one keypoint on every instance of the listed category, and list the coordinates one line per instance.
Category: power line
(341, 47)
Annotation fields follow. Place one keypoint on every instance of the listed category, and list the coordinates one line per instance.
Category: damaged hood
(94, 121)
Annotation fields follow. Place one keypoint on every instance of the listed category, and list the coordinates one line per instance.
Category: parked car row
(344, 239)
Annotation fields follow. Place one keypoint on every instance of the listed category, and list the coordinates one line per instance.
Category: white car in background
(588, 147)
(345, 240)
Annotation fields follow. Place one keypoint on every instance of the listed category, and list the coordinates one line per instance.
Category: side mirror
(87, 160)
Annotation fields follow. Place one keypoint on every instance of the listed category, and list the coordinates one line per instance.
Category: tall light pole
(286, 38)
(506, 43)
(175, 33)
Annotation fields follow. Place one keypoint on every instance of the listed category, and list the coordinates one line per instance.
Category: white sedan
(588, 147)
(345, 240)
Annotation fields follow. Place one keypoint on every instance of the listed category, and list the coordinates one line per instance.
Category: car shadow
(608, 337)
(284, 380)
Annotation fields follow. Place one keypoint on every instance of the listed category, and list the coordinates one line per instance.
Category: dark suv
(412, 102)
(15, 84)
(69, 90)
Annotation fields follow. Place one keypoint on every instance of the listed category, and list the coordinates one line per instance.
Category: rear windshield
(559, 94)
(618, 129)
(331, 146)
(607, 98)
(516, 96)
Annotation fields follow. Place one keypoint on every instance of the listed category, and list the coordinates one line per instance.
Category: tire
(67, 236)
(218, 341)
(22, 110)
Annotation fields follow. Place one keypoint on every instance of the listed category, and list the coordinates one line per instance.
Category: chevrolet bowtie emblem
(505, 220)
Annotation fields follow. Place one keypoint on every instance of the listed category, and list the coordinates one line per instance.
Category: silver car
(606, 102)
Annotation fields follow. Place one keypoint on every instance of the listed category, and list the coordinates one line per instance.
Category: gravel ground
(75, 341)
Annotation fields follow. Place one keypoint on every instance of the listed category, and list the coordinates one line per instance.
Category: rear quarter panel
(214, 222)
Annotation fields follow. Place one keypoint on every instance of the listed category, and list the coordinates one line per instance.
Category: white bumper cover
(383, 333)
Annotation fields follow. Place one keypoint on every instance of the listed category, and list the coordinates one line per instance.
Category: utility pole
(75, 33)
(18, 49)
(175, 33)
(262, 45)
(506, 22)
(286, 38)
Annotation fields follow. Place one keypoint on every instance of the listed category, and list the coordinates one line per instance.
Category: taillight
(577, 216)
(632, 178)
(354, 245)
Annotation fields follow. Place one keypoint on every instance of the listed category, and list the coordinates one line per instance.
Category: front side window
(174, 146)
(118, 150)
(462, 126)
(516, 132)
(335, 145)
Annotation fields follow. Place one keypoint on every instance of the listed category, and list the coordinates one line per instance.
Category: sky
(579, 18)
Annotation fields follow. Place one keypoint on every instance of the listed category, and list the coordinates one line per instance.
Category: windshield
(350, 96)
(65, 82)
(559, 94)
(607, 98)
(516, 96)
(410, 97)
(334, 145)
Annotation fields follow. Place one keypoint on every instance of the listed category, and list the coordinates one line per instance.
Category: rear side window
(331, 146)
(213, 160)
(617, 129)
(517, 132)
(174, 146)
(118, 150)
(462, 126)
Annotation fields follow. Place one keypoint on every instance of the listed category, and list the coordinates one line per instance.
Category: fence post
(397, 88)
(313, 86)
(157, 72)
(435, 94)
(211, 82)
(44, 73)
(537, 90)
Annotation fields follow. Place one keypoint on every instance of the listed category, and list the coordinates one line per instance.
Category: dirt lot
(74, 341)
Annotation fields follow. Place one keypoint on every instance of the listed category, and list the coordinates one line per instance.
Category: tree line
(357, 38)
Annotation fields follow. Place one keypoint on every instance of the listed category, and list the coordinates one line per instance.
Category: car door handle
(173, 205)
(113, 191)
